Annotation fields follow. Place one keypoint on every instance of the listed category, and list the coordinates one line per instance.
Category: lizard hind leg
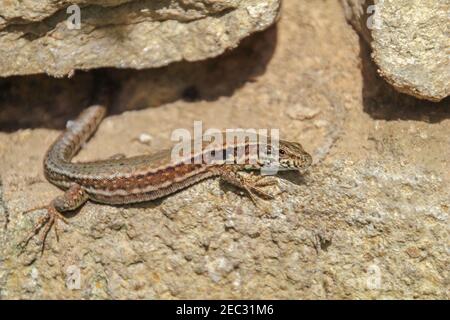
(72, 199)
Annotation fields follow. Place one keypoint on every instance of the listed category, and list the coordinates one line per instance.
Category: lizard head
(291, 156)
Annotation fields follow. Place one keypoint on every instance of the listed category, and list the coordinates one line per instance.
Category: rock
(410, 43)
(36, 37)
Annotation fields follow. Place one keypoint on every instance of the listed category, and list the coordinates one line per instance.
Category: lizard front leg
(72, 199)
(249, 184)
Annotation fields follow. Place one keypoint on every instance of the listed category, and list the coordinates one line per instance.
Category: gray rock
(410, 43)
(35, 36)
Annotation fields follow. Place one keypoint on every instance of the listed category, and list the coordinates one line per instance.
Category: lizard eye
(282, 152)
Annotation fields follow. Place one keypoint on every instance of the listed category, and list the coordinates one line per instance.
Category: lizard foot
(46, 223)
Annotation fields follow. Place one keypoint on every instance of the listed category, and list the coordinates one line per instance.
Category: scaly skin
(122, 180)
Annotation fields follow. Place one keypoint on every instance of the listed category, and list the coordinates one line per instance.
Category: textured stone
(369, 221)
(410, 42)
(35, 37)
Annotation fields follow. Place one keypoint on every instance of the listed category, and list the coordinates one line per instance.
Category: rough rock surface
(410, 42)
(35, 36)
(368, 221)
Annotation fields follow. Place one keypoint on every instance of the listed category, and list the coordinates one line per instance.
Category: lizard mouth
(307, 160)
(301, 163)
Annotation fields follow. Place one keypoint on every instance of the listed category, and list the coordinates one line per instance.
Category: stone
(42, 37)
(409, 41)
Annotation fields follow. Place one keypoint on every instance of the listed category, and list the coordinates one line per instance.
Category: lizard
(120, 180)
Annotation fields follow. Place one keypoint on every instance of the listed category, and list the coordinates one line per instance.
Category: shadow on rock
(35, 101)
(381, 101)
